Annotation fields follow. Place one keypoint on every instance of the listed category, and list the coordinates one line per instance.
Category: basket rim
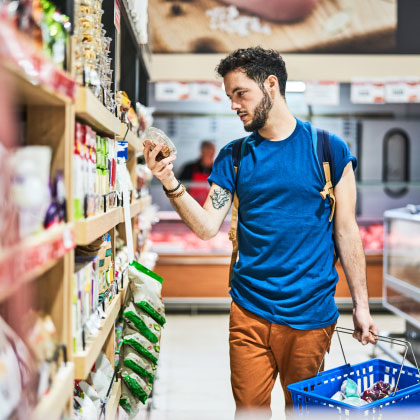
(384, 401)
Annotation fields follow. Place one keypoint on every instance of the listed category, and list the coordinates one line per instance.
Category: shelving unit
(59, 398)
(113, 402)
(42, 266)
(33, 257)
(90, 110)
(85, 359)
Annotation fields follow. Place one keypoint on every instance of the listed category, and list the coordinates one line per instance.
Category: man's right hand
(162, 170)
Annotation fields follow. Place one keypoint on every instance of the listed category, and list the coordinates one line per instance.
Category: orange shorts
(260, 350)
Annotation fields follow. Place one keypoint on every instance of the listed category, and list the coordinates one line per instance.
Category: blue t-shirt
(285, 271)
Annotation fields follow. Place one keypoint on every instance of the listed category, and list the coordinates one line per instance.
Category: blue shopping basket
(312, 397)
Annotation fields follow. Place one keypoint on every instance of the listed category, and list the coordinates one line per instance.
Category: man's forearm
(194, 216)
(352, 258)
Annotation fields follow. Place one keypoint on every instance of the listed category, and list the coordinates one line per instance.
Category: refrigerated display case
(401, 290)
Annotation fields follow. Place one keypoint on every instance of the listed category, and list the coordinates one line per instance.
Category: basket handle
(398, 341)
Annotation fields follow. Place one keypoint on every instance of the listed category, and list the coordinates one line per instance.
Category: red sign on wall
(117, 15)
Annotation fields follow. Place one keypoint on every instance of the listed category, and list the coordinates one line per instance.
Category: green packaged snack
(150, 303)
(139, 364)
(141, 275)
(143, 323)
(138, 386)
(128, 402)
(139, 343)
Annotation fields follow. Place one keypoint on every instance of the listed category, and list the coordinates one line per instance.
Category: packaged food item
(100, 382)
(139, 343)
(142, 276)
(91, 393)
(157, 136)
(138, 386)
(104, 365)
(144, 324)
(356, 401)
(87, 409)
(150, 303)
(349, 388)
(377, 391)
(128, 402)
(139, 364)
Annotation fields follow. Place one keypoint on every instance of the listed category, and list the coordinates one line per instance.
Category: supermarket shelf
(91, 111)
(52, 405)
(84, 360)
(33, 256)
(30, 92)
(133, 140)
(87, 230)
(138, 206)
(113, 402)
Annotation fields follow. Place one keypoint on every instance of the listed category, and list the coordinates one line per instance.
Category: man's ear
(271, 84)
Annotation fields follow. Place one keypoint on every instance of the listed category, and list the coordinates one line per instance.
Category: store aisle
(193, 376)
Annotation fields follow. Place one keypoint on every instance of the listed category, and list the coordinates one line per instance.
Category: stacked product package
(94, 287)
(94, 172)
(91, 396)
(144, 317)
(93, 63)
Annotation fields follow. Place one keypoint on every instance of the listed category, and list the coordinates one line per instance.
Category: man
(283, 312)
(198, 171)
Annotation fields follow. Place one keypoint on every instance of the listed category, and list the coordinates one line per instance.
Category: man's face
(248, 100)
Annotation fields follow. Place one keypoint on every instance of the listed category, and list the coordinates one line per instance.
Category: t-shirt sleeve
(223, 173)
(341, 156)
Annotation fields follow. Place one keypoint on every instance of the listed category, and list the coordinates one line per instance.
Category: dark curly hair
(258, 64)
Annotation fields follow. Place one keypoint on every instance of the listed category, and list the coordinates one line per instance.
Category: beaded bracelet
(171, 196)
(171, 191)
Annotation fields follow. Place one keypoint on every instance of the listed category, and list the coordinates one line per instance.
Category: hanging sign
(322, 93)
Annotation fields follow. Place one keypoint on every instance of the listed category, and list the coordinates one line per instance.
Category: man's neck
(280, 124)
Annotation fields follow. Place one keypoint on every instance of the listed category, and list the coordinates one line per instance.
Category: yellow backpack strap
(233, 236)
(328, 188)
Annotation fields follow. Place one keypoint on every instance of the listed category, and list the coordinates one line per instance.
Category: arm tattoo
(219, 197)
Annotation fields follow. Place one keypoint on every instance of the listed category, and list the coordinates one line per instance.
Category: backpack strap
(322, 147)
(237, 152)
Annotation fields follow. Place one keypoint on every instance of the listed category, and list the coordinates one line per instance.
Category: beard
(260, 113)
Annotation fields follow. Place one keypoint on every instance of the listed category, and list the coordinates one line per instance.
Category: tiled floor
(193, 375)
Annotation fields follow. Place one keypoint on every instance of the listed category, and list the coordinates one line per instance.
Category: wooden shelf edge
(52, 405)
(40, 252)
(33, 93)
(90, 110)
(114, 401)
(84, 360)
(87, 230)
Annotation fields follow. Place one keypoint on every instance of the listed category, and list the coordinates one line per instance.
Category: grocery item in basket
(378, 391)
(150, 303)
(138, 386)
(139, 364)
(356, 401)
(349, 388)
(128, 402)
(144, 324)
(156, 137)
(142, 276)
(139, 343)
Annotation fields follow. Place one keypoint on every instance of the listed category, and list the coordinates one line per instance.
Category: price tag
(322, 93)
(402, 90)
(367, 91)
